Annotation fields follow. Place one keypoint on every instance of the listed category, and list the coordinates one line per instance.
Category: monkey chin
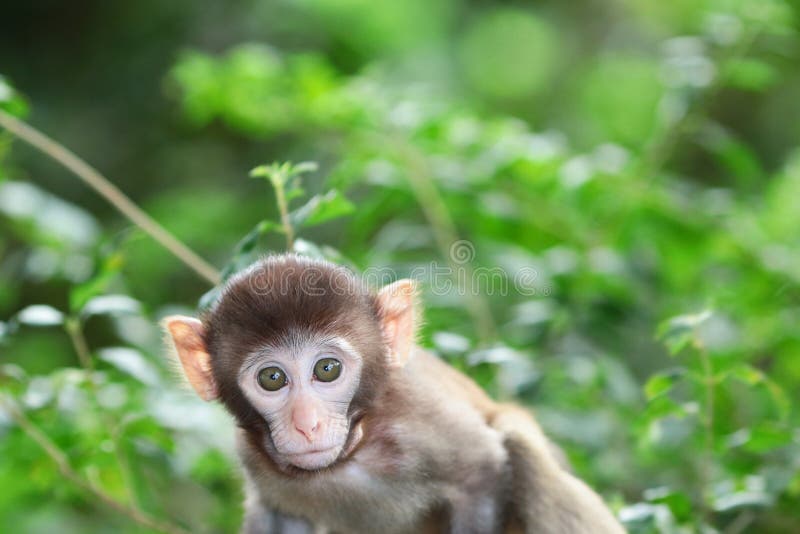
(314, 460)
(317, 459)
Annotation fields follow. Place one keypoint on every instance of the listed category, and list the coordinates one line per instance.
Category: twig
(741, 522)
(111, 193)
(278, 184)
(60, 458)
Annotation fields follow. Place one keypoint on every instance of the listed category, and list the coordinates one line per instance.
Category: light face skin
(303, 390)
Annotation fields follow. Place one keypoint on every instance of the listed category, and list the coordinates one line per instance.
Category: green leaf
(779, 397)
(307, 248)
(679, 503)
(747, 374)
(131, 362)
(111, 305)
(739, 159)
(10, 100)
(751, 376)
(210, 297)
(677, 332)
(40, 315)
(249, 241)
(743, 499)
(661, 383)
(637, 513)
(80, 294)
(139, 427)
(322, 208)
(268, 171)
(6, 91)
(749, 74)
(294, 190)
(761, 438)
(303, 167)
(320, 252)
(280, 173)
(663, 406)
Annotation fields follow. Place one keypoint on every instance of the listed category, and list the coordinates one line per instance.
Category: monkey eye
(327, 369)
(271, 378)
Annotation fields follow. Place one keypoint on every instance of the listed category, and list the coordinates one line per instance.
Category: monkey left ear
(397, 304)
(187, 335)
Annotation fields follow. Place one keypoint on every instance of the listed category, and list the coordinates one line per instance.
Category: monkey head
(296, 349)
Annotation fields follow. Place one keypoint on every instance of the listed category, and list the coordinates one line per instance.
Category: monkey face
(303, 390)
(296, 350)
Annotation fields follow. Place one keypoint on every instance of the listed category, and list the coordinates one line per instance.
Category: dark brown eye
(271, 378)
(327, 369)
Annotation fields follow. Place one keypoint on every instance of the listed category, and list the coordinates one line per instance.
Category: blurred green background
(637, 161)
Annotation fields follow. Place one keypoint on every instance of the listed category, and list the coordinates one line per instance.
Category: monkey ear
(187, 335)
(397, 304)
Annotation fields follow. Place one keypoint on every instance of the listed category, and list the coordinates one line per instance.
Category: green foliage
(10, 100)
(528, 47)
(255, 89)
(587, 179)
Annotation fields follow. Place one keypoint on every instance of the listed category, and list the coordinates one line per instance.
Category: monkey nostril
(308, 431)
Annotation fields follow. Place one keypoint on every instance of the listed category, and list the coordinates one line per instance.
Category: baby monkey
(346, 426)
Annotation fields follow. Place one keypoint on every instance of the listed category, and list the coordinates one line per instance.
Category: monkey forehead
(302, 345)
(285, 294)
(299, 344)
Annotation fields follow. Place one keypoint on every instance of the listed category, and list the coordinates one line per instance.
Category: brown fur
(437, 454)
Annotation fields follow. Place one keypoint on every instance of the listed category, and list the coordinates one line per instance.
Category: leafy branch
(86, 300)
(74, 329)
(61, 460)
(705, 376)
(279, 175)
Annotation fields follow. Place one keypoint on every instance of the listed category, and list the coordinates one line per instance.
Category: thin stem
(278, 180)
(60, 458)
(73, 328)
(111, 193)
(709, 383)
(445, 234)
(660, 149)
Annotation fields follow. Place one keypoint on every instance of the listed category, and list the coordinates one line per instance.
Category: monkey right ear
(187, 335)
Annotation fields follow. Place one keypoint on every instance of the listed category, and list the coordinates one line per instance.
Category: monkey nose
(306, 421)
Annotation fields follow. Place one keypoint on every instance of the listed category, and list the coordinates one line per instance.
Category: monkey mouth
(320, 458)
(315, 458)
